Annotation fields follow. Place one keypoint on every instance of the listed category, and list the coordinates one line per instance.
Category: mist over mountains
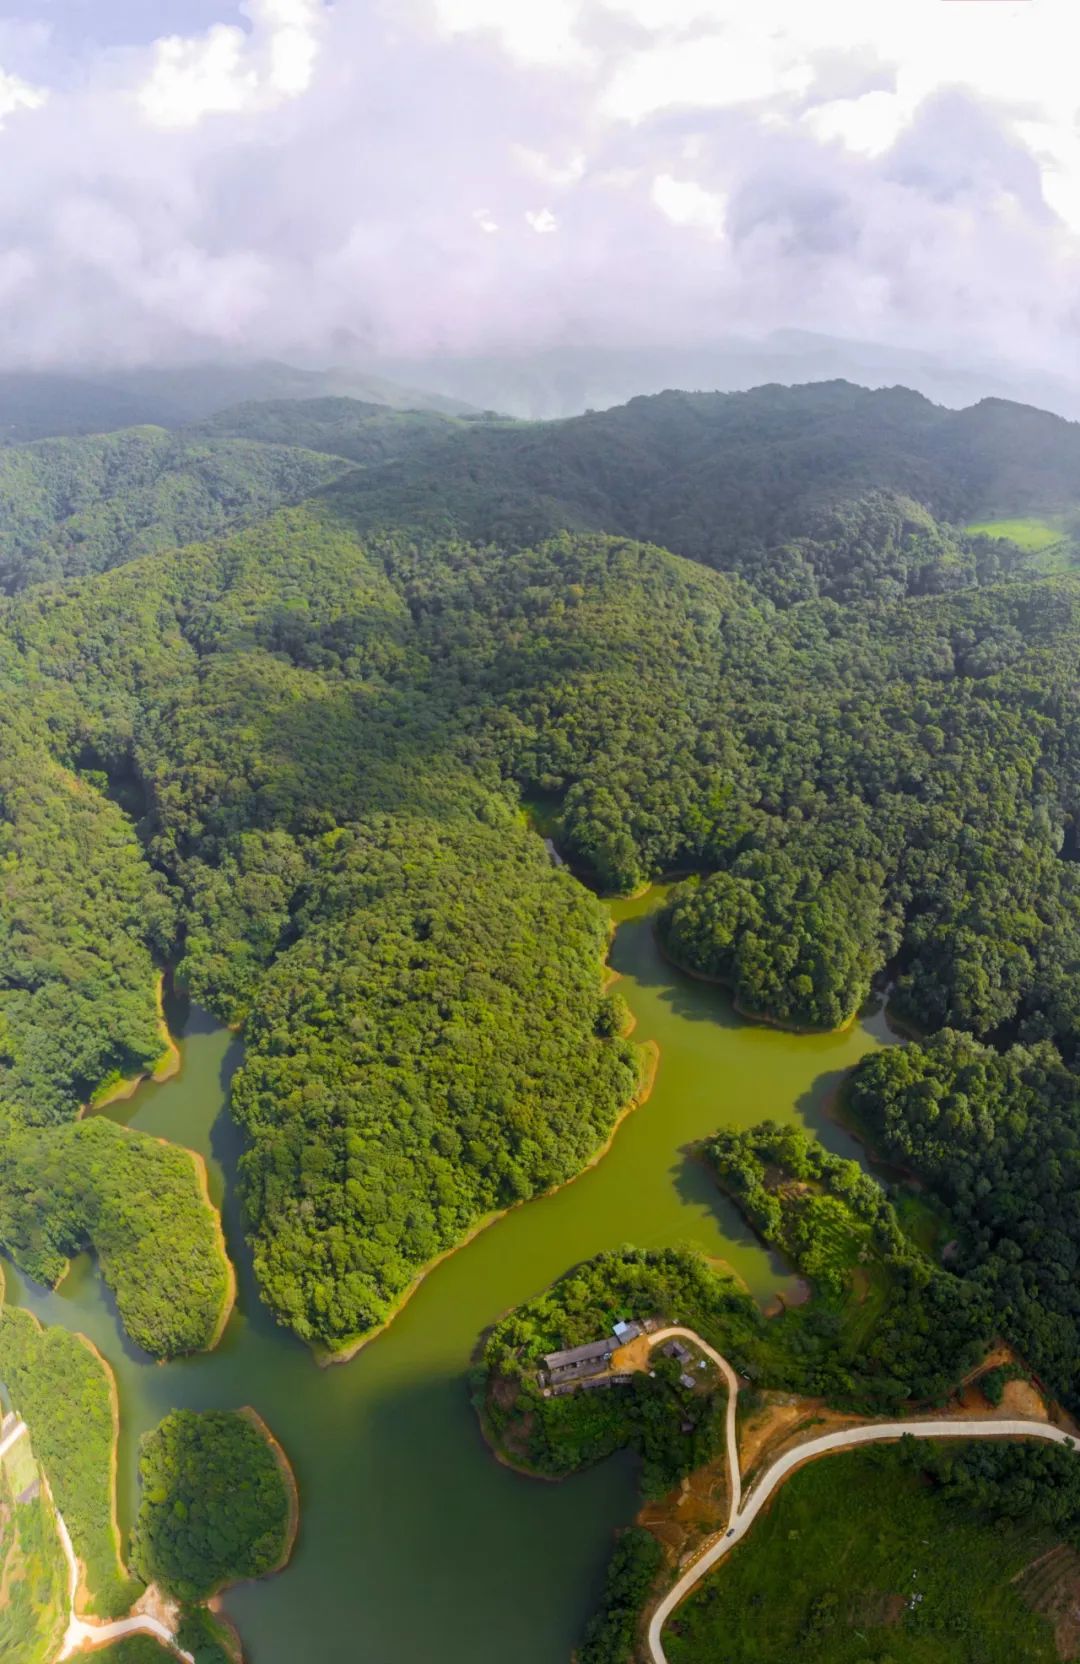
(541, 385)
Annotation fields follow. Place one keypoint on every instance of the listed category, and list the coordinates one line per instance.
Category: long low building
(579, 1360)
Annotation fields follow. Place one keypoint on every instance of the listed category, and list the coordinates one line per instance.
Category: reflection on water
(415, 1545)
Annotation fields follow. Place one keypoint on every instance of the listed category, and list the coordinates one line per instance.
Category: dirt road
(84, 1634)
(743, 1513)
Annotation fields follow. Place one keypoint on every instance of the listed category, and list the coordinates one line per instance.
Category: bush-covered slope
(33, 1571)
(878, 1555)
(887, 1323)
(73, 506)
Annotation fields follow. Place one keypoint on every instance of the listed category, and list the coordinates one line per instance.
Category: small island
(218, 1505)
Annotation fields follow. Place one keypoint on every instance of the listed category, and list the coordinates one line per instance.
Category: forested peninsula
(743, 637)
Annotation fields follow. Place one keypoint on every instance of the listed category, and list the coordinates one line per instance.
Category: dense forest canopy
(214, 1503)
(72, 506)
(294, 760)
(434, 1046)
(140, 1205)
(997, 1134)
(826, 488)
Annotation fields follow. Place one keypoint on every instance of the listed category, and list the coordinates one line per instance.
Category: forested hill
(825, 488)
(72, 506)
(821, 490)
(364, 433)
(296, 759)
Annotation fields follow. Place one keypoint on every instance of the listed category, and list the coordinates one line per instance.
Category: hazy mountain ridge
(42, 404)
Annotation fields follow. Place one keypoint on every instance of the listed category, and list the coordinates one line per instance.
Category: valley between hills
(612, 870)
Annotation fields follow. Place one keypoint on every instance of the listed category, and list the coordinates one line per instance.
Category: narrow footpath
(742, 1514)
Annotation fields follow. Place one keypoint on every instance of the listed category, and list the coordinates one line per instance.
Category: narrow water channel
(415, 1545)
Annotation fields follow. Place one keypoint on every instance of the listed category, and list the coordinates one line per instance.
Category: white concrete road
(12, 1436)
(84, 1634)
(743, 1513)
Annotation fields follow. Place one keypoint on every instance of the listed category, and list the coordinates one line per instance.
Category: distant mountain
(192, 392)
(567, 381)
(36, 406)
(43, 405)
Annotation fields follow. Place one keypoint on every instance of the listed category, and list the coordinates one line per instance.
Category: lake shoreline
(764, 1017)
(292, 1524)
(228, 1306)
(82, 1592)
(328, 1359)
(166, 1068)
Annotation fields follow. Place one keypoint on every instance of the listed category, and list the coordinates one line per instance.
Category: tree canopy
(214, 1503)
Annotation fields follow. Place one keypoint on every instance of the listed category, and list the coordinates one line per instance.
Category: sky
(294, 178)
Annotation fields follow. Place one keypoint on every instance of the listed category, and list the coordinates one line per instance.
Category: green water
(415, 1545)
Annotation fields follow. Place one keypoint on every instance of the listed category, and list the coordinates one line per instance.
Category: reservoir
(415, 1546)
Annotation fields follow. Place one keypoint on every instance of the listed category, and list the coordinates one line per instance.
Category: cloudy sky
(406, 177)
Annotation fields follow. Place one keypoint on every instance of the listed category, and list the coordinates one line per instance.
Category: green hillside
(69, 507)
(826, 488)
(293, 760)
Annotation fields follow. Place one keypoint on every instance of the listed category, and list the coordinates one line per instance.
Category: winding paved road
(674, 1332)
(742, 1514)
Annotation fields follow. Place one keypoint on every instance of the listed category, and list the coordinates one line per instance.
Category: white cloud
(17, 94)
(227, 70)
(542, 221)
(869, 123)
(533, 31)
(687, 203)
(708, 72)
(904, 169)
(551, 172)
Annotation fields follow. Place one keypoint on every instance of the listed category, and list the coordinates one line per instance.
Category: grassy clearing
(1032, 532)
(1050, 539)
(923, 1222)
(20, 1468)
(828, 1575)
